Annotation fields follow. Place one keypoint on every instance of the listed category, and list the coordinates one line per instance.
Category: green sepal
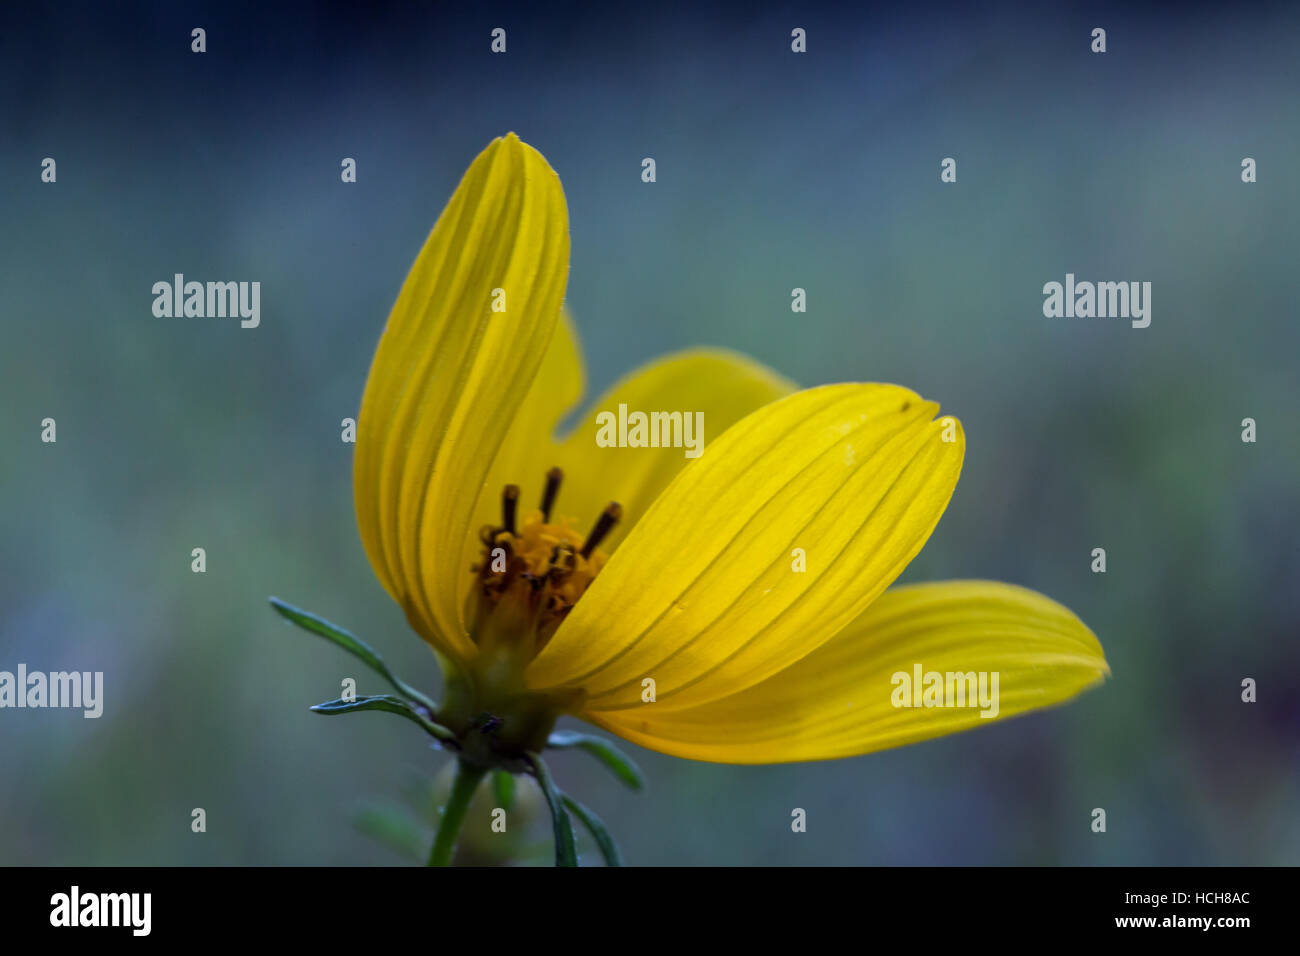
(618, 763)
(388, 704)
(566, 847)
(353, 645)
(596, 827)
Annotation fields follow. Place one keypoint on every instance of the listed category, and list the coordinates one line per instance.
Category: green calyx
(497, 720)
(493, 723)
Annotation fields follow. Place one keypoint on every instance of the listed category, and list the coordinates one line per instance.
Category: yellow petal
(530, 448)
(721, 386)
(703, 596)
(840, 700)
(449, 375)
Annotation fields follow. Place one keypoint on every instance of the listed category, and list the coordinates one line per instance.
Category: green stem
(453, 814)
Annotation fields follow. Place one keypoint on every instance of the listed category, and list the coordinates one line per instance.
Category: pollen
(533, 569)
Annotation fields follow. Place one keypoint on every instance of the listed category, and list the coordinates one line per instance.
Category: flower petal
(449, 375)
(839, 700)
(721, 386)
(530, 448)
(705, 597)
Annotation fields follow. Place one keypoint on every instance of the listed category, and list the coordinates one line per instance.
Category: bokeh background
(775, 170)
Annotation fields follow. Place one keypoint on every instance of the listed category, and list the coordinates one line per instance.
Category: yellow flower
(730, 608)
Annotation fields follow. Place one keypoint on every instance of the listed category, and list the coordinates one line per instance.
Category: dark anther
(509, 505)
(604, 524)
(553, 479)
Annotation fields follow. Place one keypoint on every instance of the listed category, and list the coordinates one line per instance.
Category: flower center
(533, 571)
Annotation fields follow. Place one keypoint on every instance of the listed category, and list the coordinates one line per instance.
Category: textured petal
(704, 598)
(449, 376)
(530, 448)
(721, 386)
(839, 700)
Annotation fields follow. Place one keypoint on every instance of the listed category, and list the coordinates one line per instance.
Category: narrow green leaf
(566, 848)
(351, 644)
(503, 785)
(619, 763)
(388, 704)
(596, 827)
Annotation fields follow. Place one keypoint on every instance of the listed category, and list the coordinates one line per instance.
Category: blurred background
(774, 171)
